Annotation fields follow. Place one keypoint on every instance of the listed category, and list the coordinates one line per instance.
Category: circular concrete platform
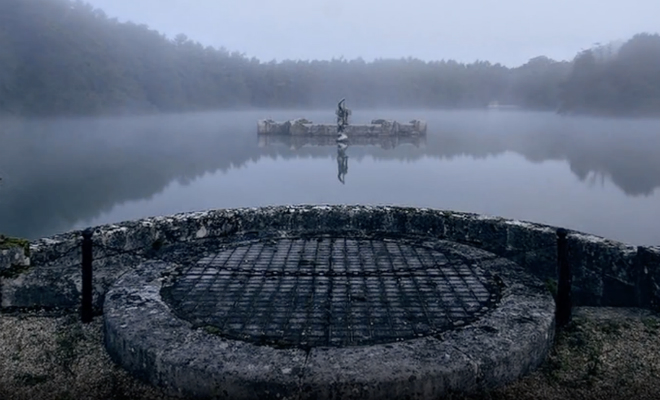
(330, 317)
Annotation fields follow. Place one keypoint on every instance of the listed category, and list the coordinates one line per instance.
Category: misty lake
(595, 175)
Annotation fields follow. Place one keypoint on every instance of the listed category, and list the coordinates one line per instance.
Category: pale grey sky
(506, 31)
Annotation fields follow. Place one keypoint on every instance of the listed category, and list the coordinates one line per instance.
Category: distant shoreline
(154, 113)
(97, 66)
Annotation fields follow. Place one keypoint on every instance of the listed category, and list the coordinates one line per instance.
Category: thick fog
(64, 58)
(506, 31)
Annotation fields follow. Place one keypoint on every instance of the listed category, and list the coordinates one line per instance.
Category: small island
(377, 127)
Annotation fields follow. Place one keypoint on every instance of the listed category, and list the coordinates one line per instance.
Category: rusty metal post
(86, 306)
(564, 303)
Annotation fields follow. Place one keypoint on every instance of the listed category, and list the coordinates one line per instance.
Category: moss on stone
(7, 242)
(213, 330)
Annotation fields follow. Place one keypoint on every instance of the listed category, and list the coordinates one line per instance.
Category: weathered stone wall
(377, 127)
(605, 272)
(13, 260)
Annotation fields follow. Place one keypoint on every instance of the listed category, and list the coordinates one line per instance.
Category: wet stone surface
(328, 291)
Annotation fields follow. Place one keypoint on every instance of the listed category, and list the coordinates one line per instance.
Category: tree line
(63, 57)
(616, 81)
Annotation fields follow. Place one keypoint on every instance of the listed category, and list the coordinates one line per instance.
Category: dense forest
(623, 81)
(59, 57)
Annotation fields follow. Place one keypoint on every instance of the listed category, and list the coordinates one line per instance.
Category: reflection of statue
(342, 161)
(297, 142)
(342, 120)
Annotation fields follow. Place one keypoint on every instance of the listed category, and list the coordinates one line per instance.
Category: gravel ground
(605, 353)
(57, 357)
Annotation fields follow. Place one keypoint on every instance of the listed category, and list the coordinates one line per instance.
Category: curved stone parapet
(605, 272)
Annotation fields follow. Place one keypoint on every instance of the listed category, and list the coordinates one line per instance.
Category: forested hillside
(623, 81)
(59, 57)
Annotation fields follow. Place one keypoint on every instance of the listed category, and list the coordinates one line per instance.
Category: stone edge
(606, 273)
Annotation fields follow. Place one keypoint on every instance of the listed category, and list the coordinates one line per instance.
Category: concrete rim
(143, 335)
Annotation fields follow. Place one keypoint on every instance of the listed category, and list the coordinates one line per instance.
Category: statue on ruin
(342, 120)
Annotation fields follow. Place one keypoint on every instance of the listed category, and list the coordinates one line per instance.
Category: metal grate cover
(330, 291)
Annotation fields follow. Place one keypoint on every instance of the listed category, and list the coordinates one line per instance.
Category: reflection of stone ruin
(377, 127)
(300, 132)
(299, 141)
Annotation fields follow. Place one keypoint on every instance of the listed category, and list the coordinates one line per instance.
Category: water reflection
(299, 142)
(296, 143)
(57, 173)
(342, 162)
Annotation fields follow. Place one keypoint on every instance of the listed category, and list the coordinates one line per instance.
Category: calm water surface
(595, 175)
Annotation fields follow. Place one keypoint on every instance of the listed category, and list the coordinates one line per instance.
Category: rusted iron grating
(331, 291)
